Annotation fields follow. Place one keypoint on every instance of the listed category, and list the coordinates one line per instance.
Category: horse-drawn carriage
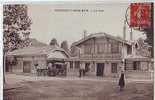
(57, 69)
(53, 69)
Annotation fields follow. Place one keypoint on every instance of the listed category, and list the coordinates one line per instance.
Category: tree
(54, 42)
(15, 22)
(149, 31)
(64, 45)
(142, 48)
(149, 37)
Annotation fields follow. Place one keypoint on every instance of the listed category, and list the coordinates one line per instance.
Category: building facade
(26, 58)
(103, 55)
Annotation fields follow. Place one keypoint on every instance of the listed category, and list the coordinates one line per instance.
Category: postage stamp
(140, 14)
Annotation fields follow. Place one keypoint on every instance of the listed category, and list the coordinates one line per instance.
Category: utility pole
(123, 46)
(131, 37)
(84, 33)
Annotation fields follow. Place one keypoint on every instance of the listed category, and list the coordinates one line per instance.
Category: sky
(61, 22)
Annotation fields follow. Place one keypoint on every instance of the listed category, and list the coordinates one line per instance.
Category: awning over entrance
(59, 63)
(57, 55)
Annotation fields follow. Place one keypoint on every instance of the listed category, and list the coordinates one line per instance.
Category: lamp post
(123, 52)
(124, 37)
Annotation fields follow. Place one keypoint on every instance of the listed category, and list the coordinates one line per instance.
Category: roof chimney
(85, 33)
(26, 35)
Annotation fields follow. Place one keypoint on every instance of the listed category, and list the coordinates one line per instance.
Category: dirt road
(79, 90)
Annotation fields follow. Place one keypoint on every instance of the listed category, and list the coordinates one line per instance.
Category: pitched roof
(41, 50)
(101, 34)
(56, 55)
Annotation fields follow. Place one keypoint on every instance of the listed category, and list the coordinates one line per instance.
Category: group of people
(82, 70)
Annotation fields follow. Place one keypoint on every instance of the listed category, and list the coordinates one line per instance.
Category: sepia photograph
(78, 51)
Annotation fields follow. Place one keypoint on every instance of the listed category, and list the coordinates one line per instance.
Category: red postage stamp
(140, 14)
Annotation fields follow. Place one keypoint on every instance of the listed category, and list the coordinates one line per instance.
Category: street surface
(23, 87)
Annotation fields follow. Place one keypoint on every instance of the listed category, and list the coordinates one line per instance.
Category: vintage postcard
(78, 50)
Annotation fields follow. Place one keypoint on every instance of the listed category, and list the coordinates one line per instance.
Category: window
(129, 49)
(87, 49)
(87, 67)
(100, 48)
(114, 47)
(77, 64)
(71, 65)
(136, 65)
(114, 68)
(27, 66)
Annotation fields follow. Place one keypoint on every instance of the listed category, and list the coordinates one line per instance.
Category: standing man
(82, 69)
(37, 69)
(49, 69)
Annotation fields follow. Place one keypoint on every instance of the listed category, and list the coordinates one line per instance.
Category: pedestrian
(37, 69)
(54, 70)
(49, 69)
(121, 81)
(82, 69)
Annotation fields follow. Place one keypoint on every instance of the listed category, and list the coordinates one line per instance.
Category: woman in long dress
(121, 81)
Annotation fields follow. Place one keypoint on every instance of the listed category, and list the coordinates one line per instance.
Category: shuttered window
(115, 48)
(101, 48)
(87, 49)
(114, 68)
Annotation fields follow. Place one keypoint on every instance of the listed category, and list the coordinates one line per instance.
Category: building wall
(144, 66)
(92, 69)
(18, 67)
(108, 69)
(107, 72)
(129, 65)
(142, 72)
(40, 60)
(102, 50)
